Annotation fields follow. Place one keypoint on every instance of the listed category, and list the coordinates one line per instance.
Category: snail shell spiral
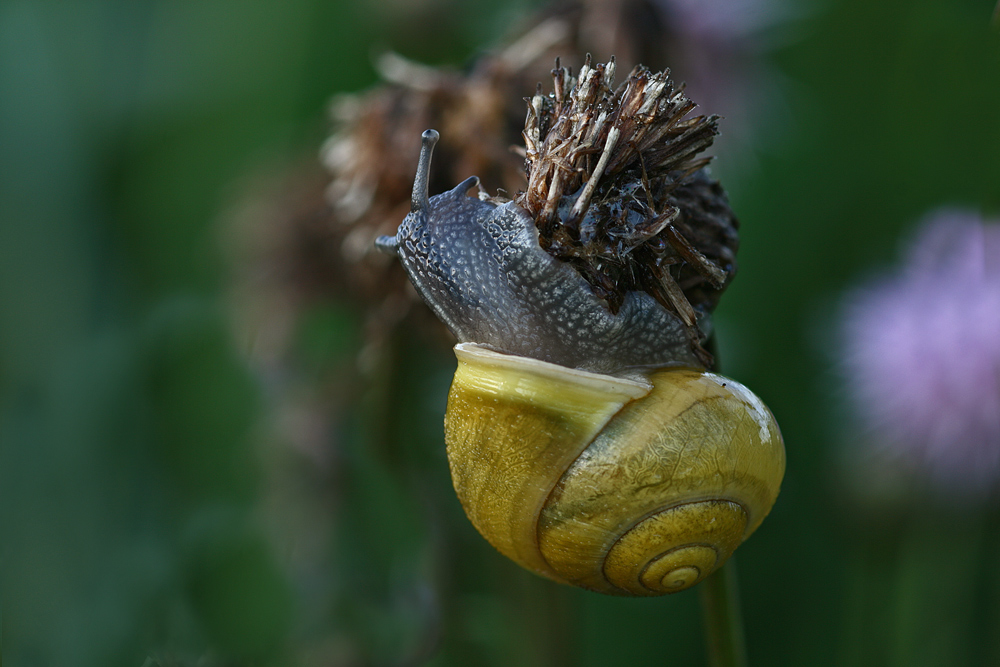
(627, 487)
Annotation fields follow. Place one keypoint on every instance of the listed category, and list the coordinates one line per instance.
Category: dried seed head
(618, 190)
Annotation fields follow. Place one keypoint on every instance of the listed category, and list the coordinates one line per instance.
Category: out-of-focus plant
(306, 250)
(920, 366)
(922, 357)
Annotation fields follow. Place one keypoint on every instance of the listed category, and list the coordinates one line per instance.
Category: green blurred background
(151, 515)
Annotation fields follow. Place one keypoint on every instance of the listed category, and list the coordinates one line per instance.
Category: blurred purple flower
(922, 355)
(726, 20)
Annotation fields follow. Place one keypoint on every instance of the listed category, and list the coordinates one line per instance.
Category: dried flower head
(617, 190)
(922, 354)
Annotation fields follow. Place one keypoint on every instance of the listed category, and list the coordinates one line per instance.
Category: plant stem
(720, 605)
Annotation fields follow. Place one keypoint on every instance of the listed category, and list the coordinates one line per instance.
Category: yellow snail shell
(616, 485)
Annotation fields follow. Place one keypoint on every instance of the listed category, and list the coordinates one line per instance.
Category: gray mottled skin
(480, 268)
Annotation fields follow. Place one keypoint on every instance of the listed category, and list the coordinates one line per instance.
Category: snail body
(480, 268)
(589, 446)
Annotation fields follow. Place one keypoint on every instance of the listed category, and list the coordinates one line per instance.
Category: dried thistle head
(617, 189)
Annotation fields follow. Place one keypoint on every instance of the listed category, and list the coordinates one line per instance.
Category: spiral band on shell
(618, 486)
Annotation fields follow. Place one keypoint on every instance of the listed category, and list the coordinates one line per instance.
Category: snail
(590, 447)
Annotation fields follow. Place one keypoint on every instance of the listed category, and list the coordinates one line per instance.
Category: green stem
(720, 605)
